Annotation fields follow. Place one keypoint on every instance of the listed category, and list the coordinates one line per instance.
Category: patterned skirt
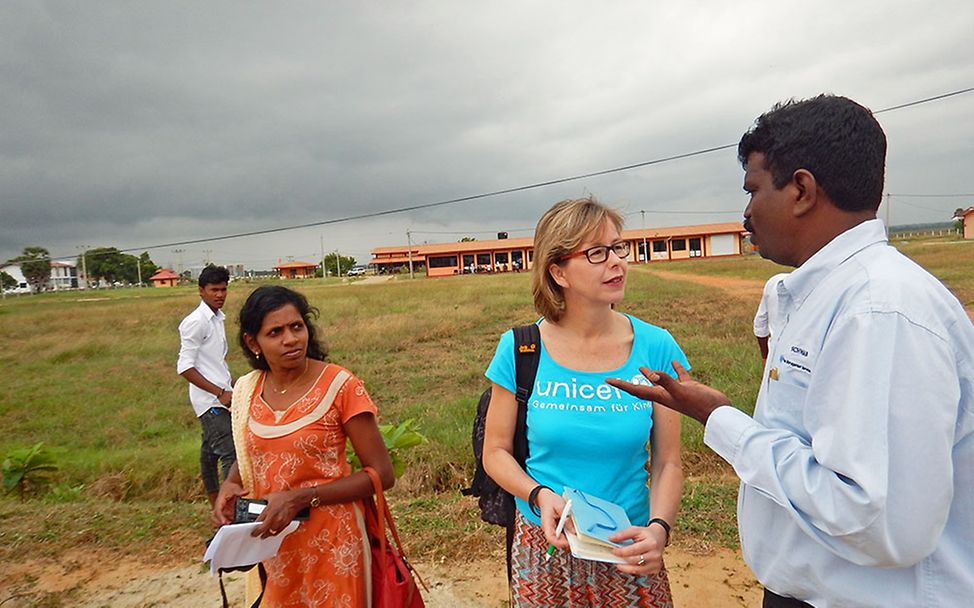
(566, 582)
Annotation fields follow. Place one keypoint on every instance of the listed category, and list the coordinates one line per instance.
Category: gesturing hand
(684, 394)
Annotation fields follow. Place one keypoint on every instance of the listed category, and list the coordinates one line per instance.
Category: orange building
(503, 255)
(164, 277)
(968, 216)
(296, 270)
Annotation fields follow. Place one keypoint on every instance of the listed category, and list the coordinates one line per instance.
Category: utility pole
(338, 264)
(409, 240)
(645, 247)
(138, 267)
(179, 252)
(324, 273)
(887, 214)
(84, 268)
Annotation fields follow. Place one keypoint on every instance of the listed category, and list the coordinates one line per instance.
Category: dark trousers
(216, 445)
(773, 600)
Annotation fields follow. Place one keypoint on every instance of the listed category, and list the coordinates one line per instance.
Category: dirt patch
(92, 579)
(744, 288)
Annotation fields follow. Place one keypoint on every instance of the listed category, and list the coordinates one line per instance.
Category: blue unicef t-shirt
(584, 433)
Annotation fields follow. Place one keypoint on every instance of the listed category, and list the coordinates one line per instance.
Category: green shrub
(28, 469)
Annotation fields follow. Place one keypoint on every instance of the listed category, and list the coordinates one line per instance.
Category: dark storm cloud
(136, 124)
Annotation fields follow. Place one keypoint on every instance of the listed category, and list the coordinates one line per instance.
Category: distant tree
(149, 267)
(7, 281)
(35, 264)
(111, 265)
(344, 262)
(959, 219)
(467, 239)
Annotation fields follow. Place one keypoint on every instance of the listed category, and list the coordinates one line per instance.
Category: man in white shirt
(857, 469)
(202, 361)
(766, 320)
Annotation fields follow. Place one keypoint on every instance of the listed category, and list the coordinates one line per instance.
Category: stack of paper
(233, 546)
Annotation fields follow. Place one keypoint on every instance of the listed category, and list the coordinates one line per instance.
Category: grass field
(92, 375)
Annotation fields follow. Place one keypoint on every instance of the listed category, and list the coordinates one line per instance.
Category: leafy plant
(26, 469)
(397, 437)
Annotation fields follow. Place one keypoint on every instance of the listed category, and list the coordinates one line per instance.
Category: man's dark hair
(834, 138)
(212, 275)
(267, 299)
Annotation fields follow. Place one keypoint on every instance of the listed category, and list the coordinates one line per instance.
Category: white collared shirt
(766, 320)
(203, 345)
(857, 470)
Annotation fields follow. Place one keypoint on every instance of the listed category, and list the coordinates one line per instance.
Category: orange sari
(324, 562)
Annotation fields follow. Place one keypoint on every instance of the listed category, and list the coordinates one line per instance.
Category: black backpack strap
(527, 355)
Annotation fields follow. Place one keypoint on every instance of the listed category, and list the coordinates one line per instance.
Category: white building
(14, 271)
(64, 275)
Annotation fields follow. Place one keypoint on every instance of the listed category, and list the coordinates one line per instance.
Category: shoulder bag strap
(384, 517)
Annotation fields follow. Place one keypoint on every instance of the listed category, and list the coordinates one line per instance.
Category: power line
(919, 101)
(541, 184)
(915, 206)
(931, 195)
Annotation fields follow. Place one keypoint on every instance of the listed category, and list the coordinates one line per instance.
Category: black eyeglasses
(600, 253)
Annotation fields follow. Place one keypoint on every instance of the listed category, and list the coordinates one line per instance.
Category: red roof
(287, 265)
(164, 274)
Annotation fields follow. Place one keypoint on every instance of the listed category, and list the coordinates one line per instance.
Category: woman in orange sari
(291, 417)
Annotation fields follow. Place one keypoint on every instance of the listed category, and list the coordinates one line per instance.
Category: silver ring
(642, 560)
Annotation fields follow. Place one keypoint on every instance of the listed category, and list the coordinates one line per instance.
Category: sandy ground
(712, 580)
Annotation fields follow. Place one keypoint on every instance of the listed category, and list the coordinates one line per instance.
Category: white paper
(233, 546)
(592, 551)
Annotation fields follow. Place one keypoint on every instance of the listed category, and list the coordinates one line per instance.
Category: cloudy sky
(148, 124)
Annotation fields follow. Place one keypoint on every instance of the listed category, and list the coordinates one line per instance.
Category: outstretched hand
(684, 394)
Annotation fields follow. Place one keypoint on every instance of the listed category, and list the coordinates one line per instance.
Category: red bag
(393, 582)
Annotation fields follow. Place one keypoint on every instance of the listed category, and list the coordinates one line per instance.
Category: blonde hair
(560, 231)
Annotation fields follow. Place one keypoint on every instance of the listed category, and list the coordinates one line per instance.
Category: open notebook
(595, 519)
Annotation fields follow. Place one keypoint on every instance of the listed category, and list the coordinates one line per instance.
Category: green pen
(560, 528)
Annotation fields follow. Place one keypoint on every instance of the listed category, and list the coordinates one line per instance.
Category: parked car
(357, 271)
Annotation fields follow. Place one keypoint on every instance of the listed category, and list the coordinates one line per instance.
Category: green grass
(92, 375)
(949, 258)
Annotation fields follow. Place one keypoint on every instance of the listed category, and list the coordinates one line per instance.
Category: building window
(659, 246)
(443, 261)
(530, 255)
(517, 260)
(500, 257)
(678, 244)
(696, 250)
(483, 259)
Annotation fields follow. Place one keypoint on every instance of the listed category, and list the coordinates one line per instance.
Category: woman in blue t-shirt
(583, 433)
